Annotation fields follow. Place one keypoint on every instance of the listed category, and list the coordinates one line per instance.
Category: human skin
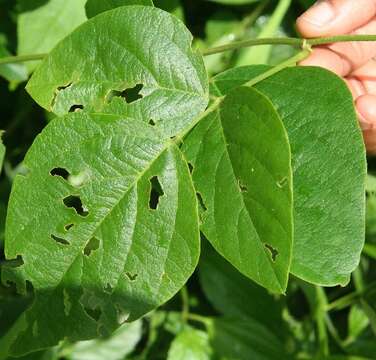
(355, 62)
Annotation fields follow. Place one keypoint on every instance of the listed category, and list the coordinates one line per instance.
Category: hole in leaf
(75, 108)
(273, 251)
(156, 192)
(243, 188)
(68, 227)
(151, 122)
(130, 95)
(61, 172)
(201, 202)
(92, 245)
(60, 240)
(14, 263)
(74, 202)
(131, 277)
(63, 87)
(108, 289)
(190, 167)
(95, 314)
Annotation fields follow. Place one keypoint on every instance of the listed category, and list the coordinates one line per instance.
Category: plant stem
(185, 303)
(199, 318)
(297, 42)
(320, 316)
(21, 58)
(289, 62)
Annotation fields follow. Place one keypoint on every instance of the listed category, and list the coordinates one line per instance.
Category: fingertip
(335, 17)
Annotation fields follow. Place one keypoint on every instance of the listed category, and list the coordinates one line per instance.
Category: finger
(344, 58)
(366, 108)
(366, 75)
(335, 17)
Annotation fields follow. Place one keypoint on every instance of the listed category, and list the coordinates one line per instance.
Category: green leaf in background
(329, 167)
(244, 340)
(11, 72)
(152, 73)
(357, 323)
(172, 6)
(248, 196)
(95, 7)
(121, 343)
(107, 229)
(261, 54)
(234, 295)
(190, 344)
(42, 24)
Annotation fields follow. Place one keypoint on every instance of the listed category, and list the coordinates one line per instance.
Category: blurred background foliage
(220, 314)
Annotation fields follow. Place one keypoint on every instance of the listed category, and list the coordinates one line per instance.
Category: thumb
(335, 17)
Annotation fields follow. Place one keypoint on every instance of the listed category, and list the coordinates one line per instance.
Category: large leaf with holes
(328, 164)
(42, 24)
(95, 7)
(242, 173)
(133, 60)
(104, 225)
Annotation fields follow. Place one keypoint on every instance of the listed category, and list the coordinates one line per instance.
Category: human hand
(354, 61)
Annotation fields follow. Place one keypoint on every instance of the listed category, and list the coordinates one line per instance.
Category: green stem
(289, 62)
(185, 303)
(21, 58)
(297, 42)
(320, 316)
(199, 318)
(343, 302)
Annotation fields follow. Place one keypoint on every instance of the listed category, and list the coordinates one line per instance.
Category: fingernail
(320, 14)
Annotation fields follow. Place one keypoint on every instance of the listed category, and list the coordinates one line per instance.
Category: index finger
(335, 17)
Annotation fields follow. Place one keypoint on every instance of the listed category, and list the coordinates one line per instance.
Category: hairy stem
(297, 42)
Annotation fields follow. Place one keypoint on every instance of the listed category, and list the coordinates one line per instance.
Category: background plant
(103, 222)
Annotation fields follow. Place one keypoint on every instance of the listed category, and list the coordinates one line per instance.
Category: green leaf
(247, 197)
(244, 340)
(190, 344)
(151, 61)
(106, 224)
(234, 295)
(41, 25)
(358, 322)
(121, 343)
(261, 54)
(172, 6)
(95, 7)
(11, 72)
(329, 167)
